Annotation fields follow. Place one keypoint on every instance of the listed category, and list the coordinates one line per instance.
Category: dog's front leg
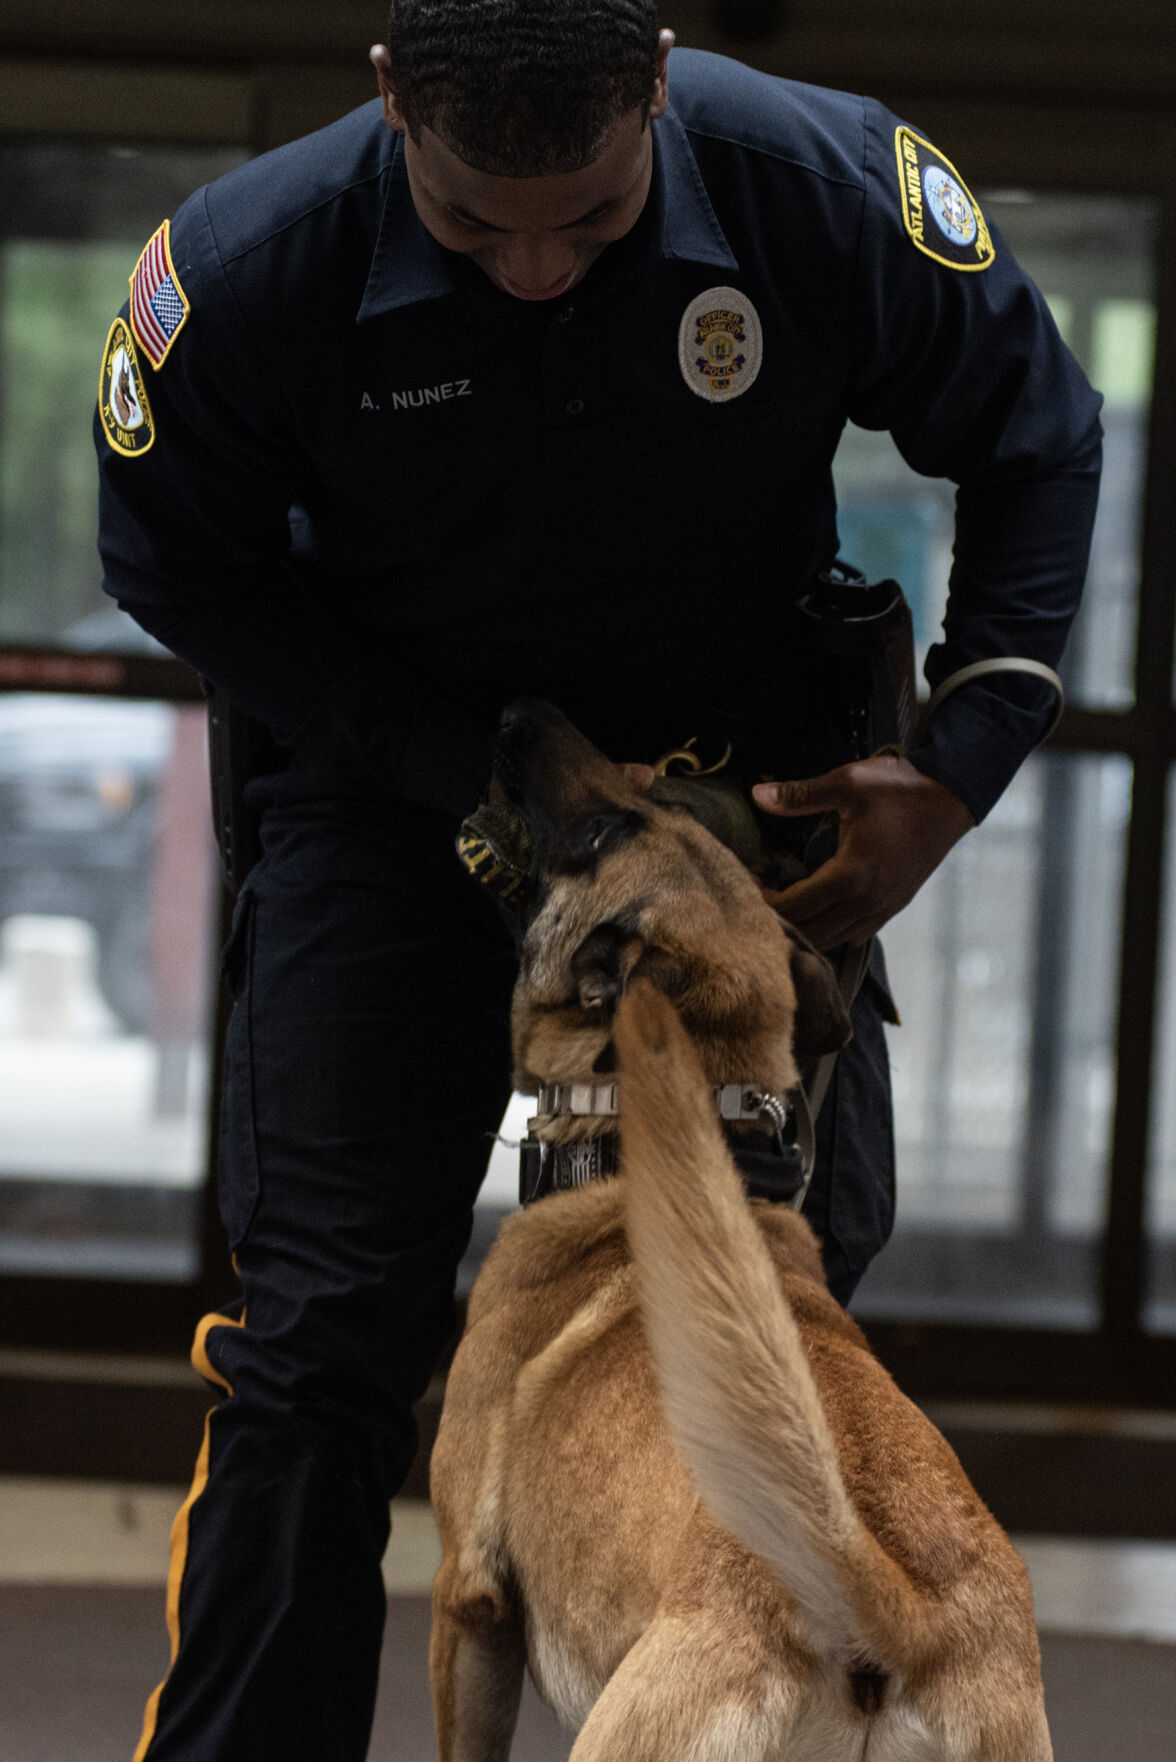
(477, 1655)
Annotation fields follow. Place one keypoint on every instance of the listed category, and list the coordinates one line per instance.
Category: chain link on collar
(734, 1101)
(777, 1168)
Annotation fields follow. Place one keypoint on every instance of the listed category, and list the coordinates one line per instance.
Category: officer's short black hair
(522, 88)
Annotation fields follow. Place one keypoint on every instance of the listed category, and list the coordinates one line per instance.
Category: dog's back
(838, 1591)
(833, 1480)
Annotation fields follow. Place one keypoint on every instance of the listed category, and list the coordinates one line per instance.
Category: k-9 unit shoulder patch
(159, 305)
(122, 396)
(939, 212)
(720, 344)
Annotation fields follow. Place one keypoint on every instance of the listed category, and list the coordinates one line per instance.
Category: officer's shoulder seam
(856, 278)
(781, 158)
(294, 220)
(229, 293)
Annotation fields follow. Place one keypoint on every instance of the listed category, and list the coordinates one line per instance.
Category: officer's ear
(660, 98)
(382, 62)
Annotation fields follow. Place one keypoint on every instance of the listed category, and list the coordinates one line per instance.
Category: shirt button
(574, 406)
(565, 316)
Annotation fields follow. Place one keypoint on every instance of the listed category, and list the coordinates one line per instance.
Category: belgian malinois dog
(670, 1477)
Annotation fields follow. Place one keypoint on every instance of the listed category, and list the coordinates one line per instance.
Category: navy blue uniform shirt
(381, 496)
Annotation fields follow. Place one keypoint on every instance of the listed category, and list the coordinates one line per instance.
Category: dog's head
(619, 885)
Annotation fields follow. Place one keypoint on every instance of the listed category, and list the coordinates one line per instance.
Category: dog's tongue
(495, 846)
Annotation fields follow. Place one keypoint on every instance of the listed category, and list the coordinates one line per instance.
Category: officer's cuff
(980, 737)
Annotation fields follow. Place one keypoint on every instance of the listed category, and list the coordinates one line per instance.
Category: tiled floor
(79, 1532)
(77, 1665)
(82, 1640)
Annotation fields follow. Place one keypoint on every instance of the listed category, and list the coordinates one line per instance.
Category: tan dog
(670, 1476)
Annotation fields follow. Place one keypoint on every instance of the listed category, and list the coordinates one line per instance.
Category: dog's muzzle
(494, 844)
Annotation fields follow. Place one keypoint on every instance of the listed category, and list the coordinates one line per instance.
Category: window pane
(1005, 970)
(1093, 258)
(1160, 1312)
(106, 908)
(73, 219)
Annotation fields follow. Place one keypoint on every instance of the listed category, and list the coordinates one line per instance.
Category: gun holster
(238, 748)
(860, 635)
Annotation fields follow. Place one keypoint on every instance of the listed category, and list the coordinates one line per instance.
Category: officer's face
(535, 237)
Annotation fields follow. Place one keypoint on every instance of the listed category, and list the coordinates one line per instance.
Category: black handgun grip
(238, 748)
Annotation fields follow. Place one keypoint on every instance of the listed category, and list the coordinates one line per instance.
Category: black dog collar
(773, 1168)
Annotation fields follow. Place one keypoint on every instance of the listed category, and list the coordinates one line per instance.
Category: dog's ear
(822, 1020)
(602, 964)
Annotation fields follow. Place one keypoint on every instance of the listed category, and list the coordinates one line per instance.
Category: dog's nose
(518, 734)
(514, 718)
(524, 720)
(516, 737)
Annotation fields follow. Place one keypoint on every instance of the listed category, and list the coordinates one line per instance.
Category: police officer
(526, 378)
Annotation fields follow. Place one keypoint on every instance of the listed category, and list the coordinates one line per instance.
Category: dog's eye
(590, 838)
(606, 830)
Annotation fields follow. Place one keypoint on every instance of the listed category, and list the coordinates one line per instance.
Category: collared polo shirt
(382, 496)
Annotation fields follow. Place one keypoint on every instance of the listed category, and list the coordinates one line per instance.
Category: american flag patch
(159, 305)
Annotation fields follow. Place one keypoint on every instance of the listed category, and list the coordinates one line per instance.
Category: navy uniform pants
(367, 1066)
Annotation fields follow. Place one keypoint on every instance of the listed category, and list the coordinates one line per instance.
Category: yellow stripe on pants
(179, 1529)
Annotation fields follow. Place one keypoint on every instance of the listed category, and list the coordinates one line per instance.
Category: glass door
(107, 881)
(1005, 967)
(1016, 1187)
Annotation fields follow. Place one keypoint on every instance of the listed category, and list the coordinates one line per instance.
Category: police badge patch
(941, 216)
(122, 396)
(720, 344)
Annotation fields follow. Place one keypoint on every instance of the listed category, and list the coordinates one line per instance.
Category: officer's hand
(896, 827)
(641, 775)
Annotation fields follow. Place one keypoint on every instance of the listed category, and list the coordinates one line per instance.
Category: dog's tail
(736, 1387)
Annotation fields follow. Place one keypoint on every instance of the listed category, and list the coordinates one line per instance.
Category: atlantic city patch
(939, 212)
(720, 344)
(159, 305)
(122, 396)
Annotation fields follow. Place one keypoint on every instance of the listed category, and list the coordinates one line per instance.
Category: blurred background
(1028, 1298)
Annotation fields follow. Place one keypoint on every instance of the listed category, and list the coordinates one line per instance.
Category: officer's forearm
(329, 690)
(1021, 555)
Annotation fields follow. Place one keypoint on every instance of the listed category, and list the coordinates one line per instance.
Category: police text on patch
(720, 344)
(941, 217)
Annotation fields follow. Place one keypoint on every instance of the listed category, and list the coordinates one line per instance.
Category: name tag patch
(122, 397)
(720, 345)
(941, 216)
(419, 396)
